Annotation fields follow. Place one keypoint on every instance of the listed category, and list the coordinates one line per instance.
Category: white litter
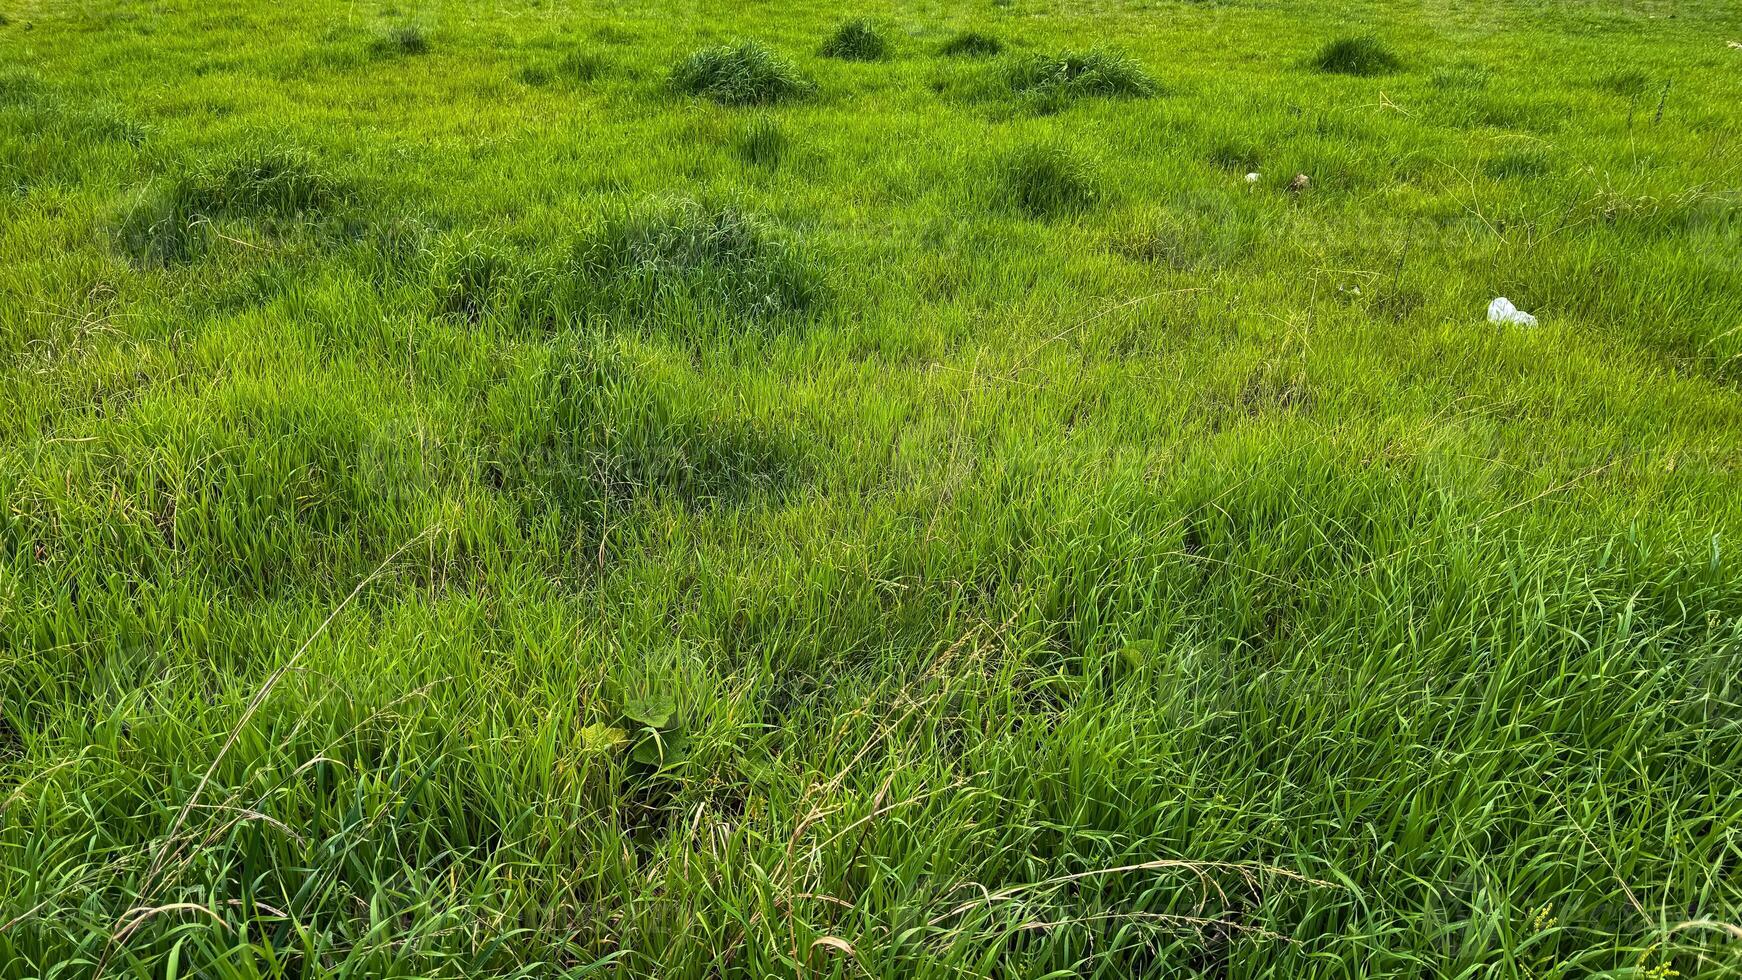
(1502, 311)
(1251, 178)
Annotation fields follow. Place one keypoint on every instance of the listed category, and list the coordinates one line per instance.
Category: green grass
(971, 44)
(1046, 181)
(747, 73)
(1051, 82)
(619, 493)
(399, 39)
(1363, 55)
(856, 40)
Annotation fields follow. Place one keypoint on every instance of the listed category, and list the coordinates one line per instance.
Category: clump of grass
(606, 437)
(400, 39)
(971, 44)
(276, 181)
(762, 143)
(1358, 55)
(581, 66)
(274, 184)
(721, 257)
(1050, 82)
(473, 278)
(747, 73)
(856, 40)
(1046, 181)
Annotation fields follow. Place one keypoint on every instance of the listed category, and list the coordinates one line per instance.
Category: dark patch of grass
(762, 143)
(607, 438)
(399, 40)
(1172, 244)
(18, 87)
(574, 68)
(1362, 55)
(719, 257)
(1628, 84)
(581, 66)
(1272, 387)
(1048, 83)
(273, 185)
(275, 181)
(473, 279)
(971, 44)
(747, 73)
(856, 40)
(1235, 156)
(1046, 181)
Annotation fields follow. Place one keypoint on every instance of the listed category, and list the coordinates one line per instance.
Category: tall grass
(943, 521)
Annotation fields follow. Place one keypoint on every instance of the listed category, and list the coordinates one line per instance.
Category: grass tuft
(686, 254)
(856, 40)
(398, 40)
(1047, 181)
(275, 185)
(473, 279)
(762, 143)
(1359, 55)
(741, 74)
(1048, 83)
(971, 44)
(609, 438)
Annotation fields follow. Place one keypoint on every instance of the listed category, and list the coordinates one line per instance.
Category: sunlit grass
(561, 492)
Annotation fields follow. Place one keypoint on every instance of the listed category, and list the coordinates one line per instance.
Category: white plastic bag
(1502, 311)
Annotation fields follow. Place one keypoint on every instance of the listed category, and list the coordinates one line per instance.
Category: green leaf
(651, 710)
(599, 738)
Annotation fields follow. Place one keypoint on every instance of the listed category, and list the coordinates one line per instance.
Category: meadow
(656, 489)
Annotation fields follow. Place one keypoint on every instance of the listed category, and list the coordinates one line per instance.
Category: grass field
(783, 490)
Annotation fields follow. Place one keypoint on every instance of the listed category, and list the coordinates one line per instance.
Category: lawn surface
(673, 490)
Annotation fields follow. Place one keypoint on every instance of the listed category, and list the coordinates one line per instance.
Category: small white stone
(1251, 178)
